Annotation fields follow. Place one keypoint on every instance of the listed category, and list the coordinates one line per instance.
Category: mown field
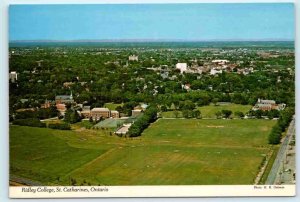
(170, 152)
(209, 111)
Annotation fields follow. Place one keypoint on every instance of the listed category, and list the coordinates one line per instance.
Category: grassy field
(210, 110)
(170, 152)
(112, 106)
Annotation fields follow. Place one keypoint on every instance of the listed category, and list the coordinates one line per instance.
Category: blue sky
(153, 21)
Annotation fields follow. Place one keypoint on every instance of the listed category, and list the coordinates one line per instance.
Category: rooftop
(100, 110)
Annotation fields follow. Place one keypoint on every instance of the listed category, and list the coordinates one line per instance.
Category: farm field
(210, 110)
(170, 152)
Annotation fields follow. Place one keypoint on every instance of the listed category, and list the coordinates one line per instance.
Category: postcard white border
(151, 191)
(238, 190)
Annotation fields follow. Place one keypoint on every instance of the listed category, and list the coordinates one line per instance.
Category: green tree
(72, 116)
(218, 114)
(197, 114)
(226, 113)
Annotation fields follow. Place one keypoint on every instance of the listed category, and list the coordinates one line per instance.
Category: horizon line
(153, 40)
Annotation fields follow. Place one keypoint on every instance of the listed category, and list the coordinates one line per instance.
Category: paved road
(279, 161)
(23, 181)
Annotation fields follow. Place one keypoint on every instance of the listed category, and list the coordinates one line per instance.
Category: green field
(170, 152)
(210, 110)
(112, 106)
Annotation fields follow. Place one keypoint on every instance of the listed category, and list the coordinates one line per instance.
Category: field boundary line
(94, 160)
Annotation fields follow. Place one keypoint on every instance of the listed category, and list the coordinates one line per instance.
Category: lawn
(112, 106)
(170, 152)
(210, 110)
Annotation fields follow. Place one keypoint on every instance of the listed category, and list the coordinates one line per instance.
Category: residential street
(284, 165)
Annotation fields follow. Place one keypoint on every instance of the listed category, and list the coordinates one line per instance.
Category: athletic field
(170, 152)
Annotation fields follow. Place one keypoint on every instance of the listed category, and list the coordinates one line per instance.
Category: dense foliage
(33, 122)
(283, 122)
(60, 126)
(143, 122)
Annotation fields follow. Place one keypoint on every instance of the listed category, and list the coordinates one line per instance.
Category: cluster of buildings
(95, 113)
(99, 112)
(213, 68)
(267, 105)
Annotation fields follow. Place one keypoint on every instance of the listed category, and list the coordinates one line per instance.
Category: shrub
(59, 126)
(33, 122)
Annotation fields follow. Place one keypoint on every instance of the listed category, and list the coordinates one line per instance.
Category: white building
(214, 71)
(182, 67)
(133, 58)
(220, 62)
(13, 77)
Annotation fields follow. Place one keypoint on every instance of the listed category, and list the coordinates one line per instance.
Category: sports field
(209, 111)
(170, 152)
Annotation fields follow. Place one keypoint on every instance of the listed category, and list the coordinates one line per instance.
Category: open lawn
(112, 106)
(210, 110)
(170, 152)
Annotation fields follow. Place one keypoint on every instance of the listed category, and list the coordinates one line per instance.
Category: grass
(210, 110)
(170, 152)
(269, 166)
(112, 106)
(82, 124)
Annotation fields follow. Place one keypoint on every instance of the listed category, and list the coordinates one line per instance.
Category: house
(182, 67)
(114, 114)
(13, 76)
(63, 99)
(86, 112)
(214, 71)
(267, 105)
(186, 87)
(61, 108)
(220, 62)
(133, 58)
(97, 113)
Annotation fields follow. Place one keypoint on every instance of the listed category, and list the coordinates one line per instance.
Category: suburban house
(97, 113)
(214, 71)
(133, 58)
(13, 76)
(220, 62)
(182, 67)
(267, 105)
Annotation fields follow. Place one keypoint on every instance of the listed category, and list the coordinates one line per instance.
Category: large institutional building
(267, 105)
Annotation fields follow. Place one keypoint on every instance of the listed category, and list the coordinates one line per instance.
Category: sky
(272, 21)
